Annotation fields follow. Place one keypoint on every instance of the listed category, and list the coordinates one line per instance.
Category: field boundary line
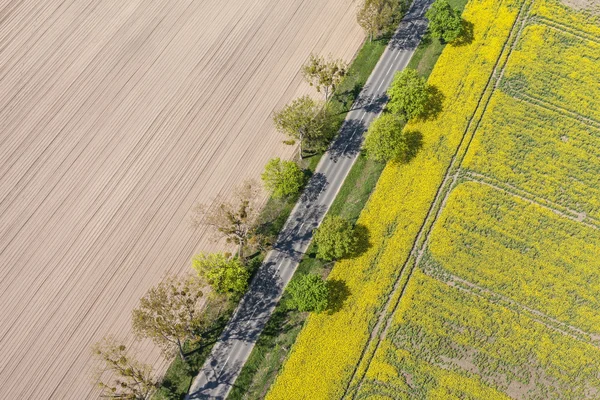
(529, 99)
(558, 209)
(564, 28)
(437, 205)
(472, 288)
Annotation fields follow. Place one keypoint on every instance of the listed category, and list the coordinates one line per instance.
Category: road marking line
(279, 266)
(225, 363)
(253, 311)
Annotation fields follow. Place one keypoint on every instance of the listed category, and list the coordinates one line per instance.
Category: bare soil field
(115, 118)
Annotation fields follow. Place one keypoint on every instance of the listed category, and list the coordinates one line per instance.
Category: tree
(169, 313)
(408, 94)
(283, 178)
(309, 293)
(301, 120)
(324, 75)
(224, 274)
(444, 21)
(131, 380)
(334, 239)
(385, 139)
(375, 15)
(235, 218)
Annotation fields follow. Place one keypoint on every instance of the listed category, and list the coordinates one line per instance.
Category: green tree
(224, 274)
(301, 120)
(283, 178)
(408, 94)
(308, 293)
(169, 313)
(444, 21)
(335, 238)
(324, 75)
(131, 380)
(234, 218)
(385, 139)
(376, 15)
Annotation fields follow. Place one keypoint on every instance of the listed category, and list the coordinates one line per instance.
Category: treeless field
(115, 118)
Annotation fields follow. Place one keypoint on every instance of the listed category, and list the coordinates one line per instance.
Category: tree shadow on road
(349, 140)
(316, 184)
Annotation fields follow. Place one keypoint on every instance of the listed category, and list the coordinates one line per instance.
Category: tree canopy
(301, 120)
(408, 94)
(308, 293)
(224, 274)
(376, 15)
(335, 238)
(385, 139)
(324, 75)
(444, 22)
(131, 380)
(169, 313)
(283, 178)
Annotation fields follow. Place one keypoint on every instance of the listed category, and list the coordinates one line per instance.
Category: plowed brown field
(115, 118)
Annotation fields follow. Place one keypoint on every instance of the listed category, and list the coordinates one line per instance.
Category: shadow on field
(434, 106)
(466, 34)
(414, 142)
(338, 293)
(363, 243)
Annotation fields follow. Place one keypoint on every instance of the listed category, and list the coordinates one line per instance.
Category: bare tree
(131, 380)
(376, 15)
(169, 313)
(367, 17)
(324, 75)
(234, 218)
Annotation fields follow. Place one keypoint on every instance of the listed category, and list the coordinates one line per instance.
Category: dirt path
(115, 117)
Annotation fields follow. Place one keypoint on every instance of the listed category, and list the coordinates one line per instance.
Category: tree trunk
(180, 348)
(241, 250)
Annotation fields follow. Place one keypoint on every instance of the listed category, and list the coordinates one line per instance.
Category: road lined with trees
(235, 344)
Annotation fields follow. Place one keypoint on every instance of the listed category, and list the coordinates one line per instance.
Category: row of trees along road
(410, 97)
(178, 309)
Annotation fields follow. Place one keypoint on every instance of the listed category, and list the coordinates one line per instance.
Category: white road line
(279, 266)
(253, 312)
(225, 363)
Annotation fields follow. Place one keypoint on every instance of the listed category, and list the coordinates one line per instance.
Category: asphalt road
(233, 348)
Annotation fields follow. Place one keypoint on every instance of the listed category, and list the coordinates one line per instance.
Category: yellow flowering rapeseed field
(540, 152)
(454, 344)
(328, 348)
(554, 13)
(521, 250)
(564, 71)
(505, 300)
